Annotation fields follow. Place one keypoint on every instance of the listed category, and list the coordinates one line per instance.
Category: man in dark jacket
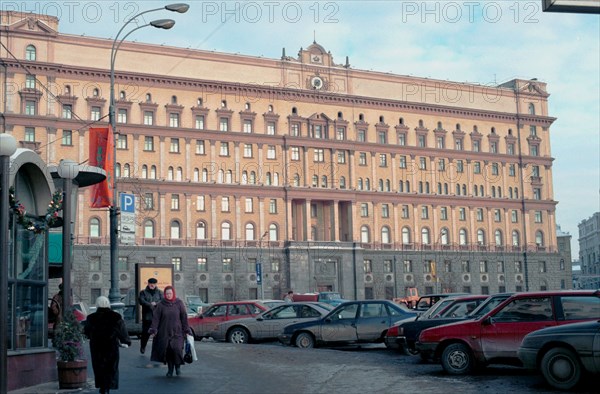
(148, 299)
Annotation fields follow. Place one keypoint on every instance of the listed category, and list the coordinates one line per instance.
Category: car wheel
(238, 335)
(561, 368)
(411, 350)
(305, 340)
(457, 359)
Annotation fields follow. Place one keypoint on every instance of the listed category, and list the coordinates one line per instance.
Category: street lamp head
(163, 23)
(8, 144)
(68, 169)
(178, 7)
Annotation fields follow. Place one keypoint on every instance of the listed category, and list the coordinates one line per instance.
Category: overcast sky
(484, 42)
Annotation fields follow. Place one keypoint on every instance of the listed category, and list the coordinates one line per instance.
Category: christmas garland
(37, 226)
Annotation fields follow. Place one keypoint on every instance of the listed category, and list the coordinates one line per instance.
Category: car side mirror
(259, 319)
(488, 321)
(328, 320)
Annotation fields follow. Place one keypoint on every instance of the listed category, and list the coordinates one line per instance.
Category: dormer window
(381, 119)
(458, 126)
(247, 106)
(199, 102)
(294, 111)
(421, 123)
(223, 103)
(173, 99)
(401, 121)
(270, 108)
(148, 98)
(361, 117)
(95, 92)
(340, 115)
(67, 90)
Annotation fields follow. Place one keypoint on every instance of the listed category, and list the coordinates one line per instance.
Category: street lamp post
(114, 294)
(8, 146)
(260, 267)
(68, 171)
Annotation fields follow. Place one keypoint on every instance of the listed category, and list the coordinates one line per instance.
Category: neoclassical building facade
(332, 177)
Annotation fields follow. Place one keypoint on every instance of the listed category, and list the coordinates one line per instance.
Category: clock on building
(316, 82)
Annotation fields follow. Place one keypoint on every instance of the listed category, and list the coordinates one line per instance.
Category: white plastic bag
(190, 340)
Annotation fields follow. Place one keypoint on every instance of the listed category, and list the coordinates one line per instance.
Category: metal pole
(4, 258)
(66, 245)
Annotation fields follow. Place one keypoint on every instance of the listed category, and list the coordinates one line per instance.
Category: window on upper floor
(30, 53)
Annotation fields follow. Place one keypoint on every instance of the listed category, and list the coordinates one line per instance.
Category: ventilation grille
(466, 278)
(368, 278)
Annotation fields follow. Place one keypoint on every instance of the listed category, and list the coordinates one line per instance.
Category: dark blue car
(349, 323)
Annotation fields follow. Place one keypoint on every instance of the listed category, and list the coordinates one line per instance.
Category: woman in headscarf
(169, 328)
(106, 330)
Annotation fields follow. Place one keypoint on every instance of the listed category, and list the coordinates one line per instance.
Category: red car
(220, 312)
(496, 337)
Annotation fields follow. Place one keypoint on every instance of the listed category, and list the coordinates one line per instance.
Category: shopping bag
(190, 350)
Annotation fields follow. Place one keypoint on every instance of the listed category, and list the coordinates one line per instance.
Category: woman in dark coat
(169, 327)
(106, 330)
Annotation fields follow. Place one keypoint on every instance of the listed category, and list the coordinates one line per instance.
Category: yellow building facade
(333, 178)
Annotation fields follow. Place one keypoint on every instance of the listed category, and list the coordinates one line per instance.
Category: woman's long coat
(106, 329)
(170, 325)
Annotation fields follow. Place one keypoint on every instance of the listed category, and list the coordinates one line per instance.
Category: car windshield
(438, 306)
(331, 296)
(487, 306)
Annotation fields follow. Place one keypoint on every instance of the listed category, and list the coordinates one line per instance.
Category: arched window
(457, 189)
(268, 179)
(480, 237)
(252, 179)
(401, 187)
(170, 173)
(204, 175)
(196, 175)
(367, 184)
(126, 170)
(229, 176)
(498, 238)
(220, 176)
(464, 189)
(96, 92)
(118, 170)
(342, 182)
(401, 121)
(244, 177)
(380, 185)
(225, 231)
(148, 229)
(175, 229)
(364, 235)
(296, 180)
(173, 99)
(179, 173)
(145, 171)
(444, 239)
(388, 185)
(94, 227)
(481, 190)
(273, 232)
(405, 235)
(324, 181)
(122, 95)
(148, 98)
(408, 186)
(516, 240)
(360, 183)
(539, 238)
(462, 237)
(385, 235)
(30, 53)
(531, 109)
(249, 232)
(493, 191)
(153, 172)
(516, 192)
(425, 236)
(199, 102)
(315, 180)
(200, 230)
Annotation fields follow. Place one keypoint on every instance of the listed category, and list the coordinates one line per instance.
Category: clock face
(316, 82)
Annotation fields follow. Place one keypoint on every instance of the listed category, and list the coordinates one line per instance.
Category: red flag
(101, 154)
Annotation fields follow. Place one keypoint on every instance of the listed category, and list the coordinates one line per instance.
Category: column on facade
(336, 220)
(188, 217)
(82, 152)
(374, 180)
(351, 182)
(307, 222)
(397, 236)
(394, 172)
(376, 232)
(486, 171)
(188, 159)
(307, 181)
(414, 167)
(238, 218)
(163, 215)
(161, 158)
(261, 171)
(433, 175)
(136, 171)
(355, 222)
(261, 216)
(551, 242)
(451, 175)
(213, 217)
(504, 173)
(290, 224)
(51, 148)
(547, 181)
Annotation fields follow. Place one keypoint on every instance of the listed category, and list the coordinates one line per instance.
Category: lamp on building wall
(8, 146)
(67, 171)
(114, 294)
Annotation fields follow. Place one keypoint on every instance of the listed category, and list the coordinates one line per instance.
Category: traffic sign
(127, 203)
(258, 273)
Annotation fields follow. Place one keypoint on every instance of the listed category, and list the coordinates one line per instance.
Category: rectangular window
(465, 266)
(447, 266)
(476, 146)
(273, 206)
(510, 149)
(200, 147)
(407, 266)
(460, 166)
(224, 124)
(251, 264)
(123, 263)
(176, 261)
(294, 129)
(340, 133)
(405, 212)
(149, 144)
(401, 139)
(122, 115)
(538, 216)
(148, 118)
(122, 141)
(341, 157)
(95, 263)
(476, 167)
(275, 265)
(382, 137)
(295, 153)
(67, 111)
(224, 204)
(174, 148)
(537, 193)
(424, 212)
(402, 161)
(201, 264)
(247, 150)
(30, 81)
(30, 107)
(271, 152)
(249, 205)
(441, 165)
(67, 137)
(388, 266)
(227, 264)
(543, 267)
(493, 147)
(518, 267)
(500, 266)
(271, 130)
(533, 150)
(495, 169)
(361, 135)
(382, 160)
(247, 126)
(95, 113)
(364, 210)
(422, 141)
(319, 155)
(175, 202)
(148, 201)
(422, 163)
(514, 216)
(462, 214)
(200, 203)
(497, 215)
(385, 210)
(444, 213)
(483, 267)
(532, 131)
(199, 122)
(441, 143)
(29, 134)
(458, 144)
(362, 159)
(368, 266)
(318, 131)
(224, 151)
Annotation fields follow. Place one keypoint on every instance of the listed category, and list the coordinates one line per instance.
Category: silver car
(269, 324)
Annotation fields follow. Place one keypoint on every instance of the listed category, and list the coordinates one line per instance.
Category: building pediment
(31, 24)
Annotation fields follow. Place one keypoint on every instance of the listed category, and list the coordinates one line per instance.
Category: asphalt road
(272, 368)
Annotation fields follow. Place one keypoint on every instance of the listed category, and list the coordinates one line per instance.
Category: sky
(482, 42)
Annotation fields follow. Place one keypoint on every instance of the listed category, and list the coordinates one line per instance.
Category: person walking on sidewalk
(169, 328)
(106, 331)
(148, 299)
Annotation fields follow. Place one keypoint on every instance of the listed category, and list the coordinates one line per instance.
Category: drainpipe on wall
(354, 269)
(521, 172)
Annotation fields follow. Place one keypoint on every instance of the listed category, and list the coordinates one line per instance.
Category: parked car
(403, 334)
(495, 337)
(269, 324)
(427, 301)
(350, 322)
(329, 297)
(271, 303)
(203, 324)
(563, 353)
(195, 304)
